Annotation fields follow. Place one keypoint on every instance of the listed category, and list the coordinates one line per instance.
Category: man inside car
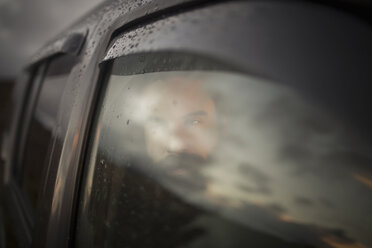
(180, 127)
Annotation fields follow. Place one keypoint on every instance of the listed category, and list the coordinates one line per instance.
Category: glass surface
(38, 146)
(185, 153)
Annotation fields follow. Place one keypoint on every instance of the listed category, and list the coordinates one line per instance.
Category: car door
(225, 125)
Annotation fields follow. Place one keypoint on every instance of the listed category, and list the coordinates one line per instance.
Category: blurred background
(25, 26)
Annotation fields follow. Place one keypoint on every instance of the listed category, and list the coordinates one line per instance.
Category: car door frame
(111, 20)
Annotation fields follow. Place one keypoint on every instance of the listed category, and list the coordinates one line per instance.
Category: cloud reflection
(283, 165)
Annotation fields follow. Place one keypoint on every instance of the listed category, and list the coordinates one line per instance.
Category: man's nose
(177, 141)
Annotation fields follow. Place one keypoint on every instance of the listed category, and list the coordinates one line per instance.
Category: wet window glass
(44, 119)
(191, 153)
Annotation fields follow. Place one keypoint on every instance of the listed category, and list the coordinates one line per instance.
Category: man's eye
(193, 122)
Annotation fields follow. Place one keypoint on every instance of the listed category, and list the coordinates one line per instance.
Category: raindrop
(128, 122)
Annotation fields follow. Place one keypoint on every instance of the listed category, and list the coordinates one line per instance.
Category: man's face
(180, 120)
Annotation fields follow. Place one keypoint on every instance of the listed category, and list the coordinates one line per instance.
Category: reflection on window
(204, 158)
(39, 141)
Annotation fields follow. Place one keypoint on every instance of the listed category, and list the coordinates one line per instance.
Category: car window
(186, 151)
(44, 118)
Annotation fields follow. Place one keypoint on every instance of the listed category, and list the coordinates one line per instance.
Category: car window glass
(31, 92)
(38, 144)
(191, 153)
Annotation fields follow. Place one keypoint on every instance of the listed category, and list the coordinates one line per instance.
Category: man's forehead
(177, 89)
(176, 94)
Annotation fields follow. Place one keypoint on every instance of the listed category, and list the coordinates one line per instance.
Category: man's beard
(183, 171)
